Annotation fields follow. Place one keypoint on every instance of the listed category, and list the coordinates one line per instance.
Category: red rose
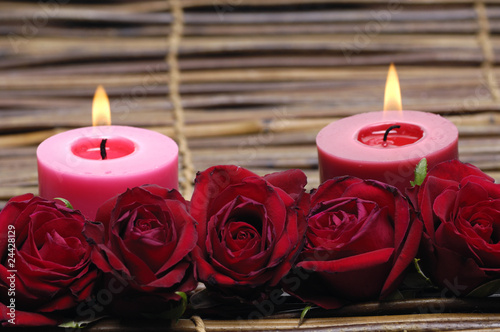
(143, 244)
(50, 257)
(361, 238)
(250, 231)
(460, 208)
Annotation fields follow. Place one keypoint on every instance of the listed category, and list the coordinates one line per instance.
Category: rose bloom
(460, 208)
(50, 257)
(361, 238)
(251, 229)
(142, 243)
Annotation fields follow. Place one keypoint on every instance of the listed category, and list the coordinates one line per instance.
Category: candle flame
(101, 111)
(392, 97)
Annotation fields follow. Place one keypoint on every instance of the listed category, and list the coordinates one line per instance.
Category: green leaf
(174, 312)
(420, 172)
(486, 289)
(74, 325)
(303, 314)
(79, 324)
(420, 272)
(66, 202)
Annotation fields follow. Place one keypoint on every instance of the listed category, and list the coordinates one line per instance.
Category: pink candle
(356, 146)
(87, 166)
(70, 164)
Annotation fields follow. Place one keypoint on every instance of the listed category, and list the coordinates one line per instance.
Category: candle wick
(388, 130)
(104, 155)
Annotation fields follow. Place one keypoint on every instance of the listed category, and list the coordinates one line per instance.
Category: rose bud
(142, 243)
(361, 238)
(460, 208)
(45, 266)
(250, 231)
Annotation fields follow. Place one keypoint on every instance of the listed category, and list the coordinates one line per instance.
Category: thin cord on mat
(198, 323)
(187, 167)
(487, 48)
(187, 171)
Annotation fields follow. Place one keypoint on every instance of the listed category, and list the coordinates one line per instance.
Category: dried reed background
(257, 79)
(246, 82)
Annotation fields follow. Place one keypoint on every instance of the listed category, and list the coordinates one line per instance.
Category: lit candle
(87, 166)
(385, 146)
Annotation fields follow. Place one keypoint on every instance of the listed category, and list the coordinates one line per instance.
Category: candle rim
(144, 158)
(325, 136)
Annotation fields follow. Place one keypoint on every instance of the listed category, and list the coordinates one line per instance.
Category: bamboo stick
(257, 61)
(82, 14)
(26, 138)
(270, 80)
(131, 7)
(441, 322)
(309, 99)
(122, 67)
(193, 45)
(223, 14)
(8, 192)
(450, 27)
(369, 73)
(466, 26)
(20, 177)
(196, 3)
(210, 130)
(211, 29)
(87, 14)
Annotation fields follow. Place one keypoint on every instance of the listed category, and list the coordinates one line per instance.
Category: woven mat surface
(247, 82)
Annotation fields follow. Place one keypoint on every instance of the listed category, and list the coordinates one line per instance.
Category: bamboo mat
(247, 82)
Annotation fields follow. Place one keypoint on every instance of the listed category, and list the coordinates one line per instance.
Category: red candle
(355, 145)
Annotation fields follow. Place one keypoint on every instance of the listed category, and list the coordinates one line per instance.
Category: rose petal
(432, 188)
(208, 185)
(344, 276)
(448, 237)
(186, 233)
(291, 181)
(374, 191)
(138, 268)
(444, 204)
(166, 194)
(493, 189)
(241, 237)
(358, 262)
(206, 272)
(67, 252)
(403, 258)
(333, 188)
(376, 233)
(459, 275)
(107, 261)
(456, 171)
(24, 318)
